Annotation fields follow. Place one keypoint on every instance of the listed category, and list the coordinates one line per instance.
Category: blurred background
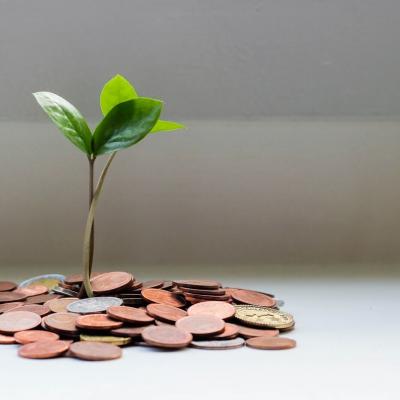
(291, 153)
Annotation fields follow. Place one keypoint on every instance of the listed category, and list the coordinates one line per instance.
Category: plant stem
(88, 229)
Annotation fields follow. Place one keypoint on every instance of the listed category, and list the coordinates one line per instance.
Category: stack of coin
(51, 321)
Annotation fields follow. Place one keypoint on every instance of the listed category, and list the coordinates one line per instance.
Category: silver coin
(48, 280)
(65, 292)
(218, 344)
(93, 305)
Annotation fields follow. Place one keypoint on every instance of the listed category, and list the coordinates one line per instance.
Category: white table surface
(348, 336)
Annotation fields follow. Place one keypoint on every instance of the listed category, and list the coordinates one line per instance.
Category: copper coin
(99, 322)
(42, 298)
(44, 349)
(7, 297)
(218, 344)
(12, 322)
(60, 305)
(161, 323)
(135, 286)
(61, 323)
(252, 297)
(111, 282)
(95, 351)
(270, 343)
(38, 309)
(9, 306)
(217, 308)
(4, 339)
(206, 297)
(195, 300)
(230, 332)
(210, 292)
(129, 314)
(32, 290)
(229, 291)
(25, 337)
(166, 312)
(77, 279)
(166, 336)
(248, 333)
(162, 297)
(167, 285)
(6, 286)
(197, 283)
(201, 325)
(153, 284)
(133, 332)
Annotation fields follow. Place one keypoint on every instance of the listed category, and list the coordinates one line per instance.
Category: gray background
(291, 152)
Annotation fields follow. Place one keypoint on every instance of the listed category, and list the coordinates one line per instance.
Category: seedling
(127, 120)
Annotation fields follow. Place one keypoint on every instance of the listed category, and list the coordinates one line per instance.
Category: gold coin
(118, 341)
(263, 316)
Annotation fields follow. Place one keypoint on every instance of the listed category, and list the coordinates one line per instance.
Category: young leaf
(68, 119)
(162, 126)
(126, 124)
(116, 90)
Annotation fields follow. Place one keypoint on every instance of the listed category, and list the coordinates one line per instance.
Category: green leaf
(68, 119)
(126, 124)
(117, 90)
(162, 126)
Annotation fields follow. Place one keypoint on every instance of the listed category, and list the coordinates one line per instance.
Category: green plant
(127, 120)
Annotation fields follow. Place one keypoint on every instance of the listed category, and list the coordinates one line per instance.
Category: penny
(218, 344)
(60, 305)
(229, 291)
(93, 305)
(111, 282)
(264, 317)
(25, 337)
(77, 279)
(210, 292)
(38, 309)
(162, 297)
(167, 285)
(94, 351)
(6, 286)
(165, 312)
(97, 322)
(11, 322)
(41, 298)
(132, 332)
(32, 290)
(252, 297)
(9, 306)
(4, 339)
(166, 336)
(7, 297)
(44, 349)
(201, 325)
(200, 284)
(48, 280)
(129, 314)
(218, 309)
(270, 343)
(155, 284)
(117, 341)
(63, 323)
(230, 331)
(248, 333)
(190, 296)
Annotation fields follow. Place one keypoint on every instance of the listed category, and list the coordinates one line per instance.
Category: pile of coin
(48, 319)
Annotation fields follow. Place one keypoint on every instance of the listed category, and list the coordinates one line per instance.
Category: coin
(165, 312)
(6, 286)
(167, 285)
(77, 279)
(11, 322)
(111, 282)
(270, 343)
(230, 331)
(209, 292)
(93, 305)
(155, 284)
(94, 351)
(162, 297)
(7, 297)
(263, 316)
(4, 339)
(32, 290)
(41, 298)
(201, 325)
(129, 314)
(38, 309)
(132, 332)
(9, 306)
(48, 280)
(132, 302)
(60, 305)
(65, 292)
(97, 322)
(25, 337)
(218, 309)
(166, 336)
(117, 341)
(252, 297)
(190, 297)
(248, 333)
(218, 344)
(44, 349)
(197, 283)
(63, 323)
